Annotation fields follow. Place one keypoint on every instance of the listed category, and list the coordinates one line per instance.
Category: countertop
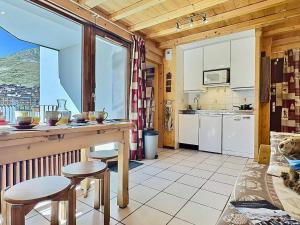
(222, 112)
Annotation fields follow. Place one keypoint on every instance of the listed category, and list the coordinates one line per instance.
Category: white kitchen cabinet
(210, 133)
(238, 135)
(193, 69)
(242, 71)
(188, 129)
(217, 56)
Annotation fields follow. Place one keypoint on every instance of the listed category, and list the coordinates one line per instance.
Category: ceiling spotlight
(191, 21)
(2, 12)
(178, 27)
(204, 19)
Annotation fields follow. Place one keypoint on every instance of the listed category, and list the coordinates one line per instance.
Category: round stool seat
(83, 169)
(37, 189)
(104, 154)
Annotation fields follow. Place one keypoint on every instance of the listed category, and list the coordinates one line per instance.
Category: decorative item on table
(52, 117)
(101, 116)
(35, 113)
(2, 119)
(92, 116)
(23, 120)
(81, 118)
(65, 114)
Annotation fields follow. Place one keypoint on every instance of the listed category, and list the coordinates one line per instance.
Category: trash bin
(151, 144)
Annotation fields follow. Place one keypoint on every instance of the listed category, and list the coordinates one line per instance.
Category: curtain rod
(100, 16)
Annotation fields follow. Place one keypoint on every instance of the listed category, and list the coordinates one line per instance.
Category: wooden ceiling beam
(285, 41)
(220, 17)
(92, 3)
(282, 30)
(282, 48)
(134, 8)
(250, 24)
(199, 6)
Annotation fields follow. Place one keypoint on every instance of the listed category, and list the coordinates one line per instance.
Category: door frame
(89, 72)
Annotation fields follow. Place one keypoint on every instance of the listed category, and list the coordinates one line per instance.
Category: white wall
(70, 73)
(50, 86)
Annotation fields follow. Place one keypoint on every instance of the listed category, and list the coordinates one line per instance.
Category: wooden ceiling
(156, 19)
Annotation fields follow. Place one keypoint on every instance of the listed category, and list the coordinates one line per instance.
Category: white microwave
(216, 77)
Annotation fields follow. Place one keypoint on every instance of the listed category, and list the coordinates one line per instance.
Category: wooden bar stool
(95, 170)
(103, 156)
(20, 199)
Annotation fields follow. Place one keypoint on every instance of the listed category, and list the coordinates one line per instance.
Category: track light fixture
(204, 18)
(178, 27)
(191, 19)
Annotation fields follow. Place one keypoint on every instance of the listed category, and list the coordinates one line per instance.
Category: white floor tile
(157, 183)
(188, 163)
(224, 189)
(119, 214)
(176, 221)
(162, 164)
(213, 200)
(147, 216)
(167, 203)
(200, 173)
(209, 167)
(138, 177)
(181, 190)
(213, 162)
(237, 160)
(37, 219)
(222, 178)
(170, 175)
(142, 194)
(94, 218)
(150, 170)
(180, 169)
(233, 166)
(198, 214)
(192, 181)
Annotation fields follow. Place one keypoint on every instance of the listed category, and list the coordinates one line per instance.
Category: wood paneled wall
(170, 138)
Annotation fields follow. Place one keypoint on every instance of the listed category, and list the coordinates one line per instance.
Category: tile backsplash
(220, 98)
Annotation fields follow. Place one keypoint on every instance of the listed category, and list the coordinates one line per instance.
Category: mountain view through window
(19, 71)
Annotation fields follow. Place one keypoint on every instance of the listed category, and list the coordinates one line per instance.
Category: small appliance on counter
(244, 107)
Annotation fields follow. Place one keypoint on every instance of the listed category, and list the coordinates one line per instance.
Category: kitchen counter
(223, 112)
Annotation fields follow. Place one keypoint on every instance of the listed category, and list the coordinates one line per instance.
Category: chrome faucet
(196, 99)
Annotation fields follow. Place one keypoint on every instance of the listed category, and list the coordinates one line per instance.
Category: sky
(9, 44)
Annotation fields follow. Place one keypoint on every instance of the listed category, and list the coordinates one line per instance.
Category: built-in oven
(216, 77)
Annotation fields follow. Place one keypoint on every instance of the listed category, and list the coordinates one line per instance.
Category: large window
(111, 78)
(40, 57)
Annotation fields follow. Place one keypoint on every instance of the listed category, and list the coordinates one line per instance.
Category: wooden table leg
(54, 212)
(97, 194)
(3, 210)
(17, 215)
(72, 206)
(85, 184)
(106, 190)
(123, 161)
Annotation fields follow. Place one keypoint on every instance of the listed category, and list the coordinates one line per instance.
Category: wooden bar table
(45, 140)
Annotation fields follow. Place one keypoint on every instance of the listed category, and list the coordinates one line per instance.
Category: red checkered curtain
(137, 98)
(290, 116)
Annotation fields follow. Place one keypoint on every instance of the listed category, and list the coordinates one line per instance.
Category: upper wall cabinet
(217, 56)
(193, 69)
(242, 71)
